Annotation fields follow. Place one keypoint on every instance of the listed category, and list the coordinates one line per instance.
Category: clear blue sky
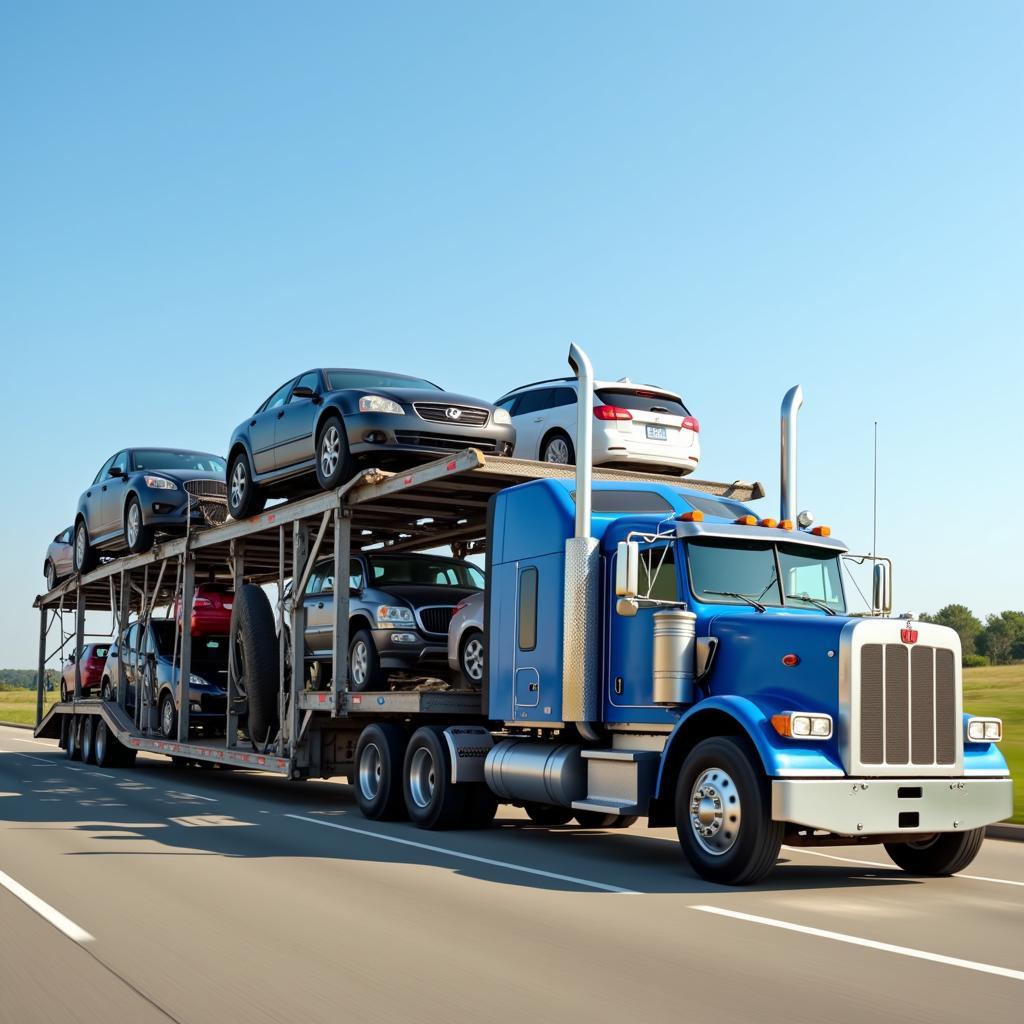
(199, 200)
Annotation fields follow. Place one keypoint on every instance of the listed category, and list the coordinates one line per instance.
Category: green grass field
(997, 690)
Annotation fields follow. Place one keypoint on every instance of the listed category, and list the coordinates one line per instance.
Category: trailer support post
(119, 640)
(188, 589)
(300, 552)
(340, 639)
(79, 639)
(237, 557)
(41, 678)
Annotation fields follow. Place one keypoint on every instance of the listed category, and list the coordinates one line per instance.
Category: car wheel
(378, 778)
(63, 691)
(333, 460)
(723, 813)
(942, 854)
(83, 554)
(168, 718)
(471, 660)
(138, 537)
(107, 690)
(558, 448)
(245, 498)
(364, 671)
(51, 576)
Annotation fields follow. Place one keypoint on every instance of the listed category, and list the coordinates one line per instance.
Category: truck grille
(207, 488)
(438, 412)
(436, 619)
(909, 707)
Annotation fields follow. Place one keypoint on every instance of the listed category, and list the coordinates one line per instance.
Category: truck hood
(419, 596)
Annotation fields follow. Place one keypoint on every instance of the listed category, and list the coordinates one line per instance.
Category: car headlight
(194, 680)
(803, 725)
(374, 403)
(160, 483)
(391, 617)
(502, 417)
(984, 730)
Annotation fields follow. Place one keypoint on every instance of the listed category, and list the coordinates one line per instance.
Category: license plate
(657, 434)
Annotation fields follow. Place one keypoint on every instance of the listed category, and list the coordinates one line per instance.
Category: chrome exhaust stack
(580, 632)
(791, 404)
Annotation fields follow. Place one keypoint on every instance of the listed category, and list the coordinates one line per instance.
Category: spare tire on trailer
(254, 659)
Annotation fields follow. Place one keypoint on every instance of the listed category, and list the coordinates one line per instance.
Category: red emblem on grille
(908, 635)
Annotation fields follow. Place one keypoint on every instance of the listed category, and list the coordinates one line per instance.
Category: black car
(318, 427)
(400, 607)
(148, 656)
(139, 492)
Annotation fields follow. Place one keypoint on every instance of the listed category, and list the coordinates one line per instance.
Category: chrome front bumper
(864, 807)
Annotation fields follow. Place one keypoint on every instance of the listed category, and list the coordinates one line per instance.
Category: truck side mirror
(881, 590)
(627, 569)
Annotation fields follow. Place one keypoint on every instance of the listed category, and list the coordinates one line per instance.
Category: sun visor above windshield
(774, 535)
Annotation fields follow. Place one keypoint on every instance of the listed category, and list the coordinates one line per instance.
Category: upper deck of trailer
(438, 503)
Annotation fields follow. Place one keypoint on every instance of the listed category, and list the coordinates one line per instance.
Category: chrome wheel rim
(330, 451)
(168, 718)
(238, 484)
(51, 578)
(80, 546)
(360, 662)
(371, 771)
(422, 777)
(557, 450)
(473, 659)
(134, 523)
(715, 811)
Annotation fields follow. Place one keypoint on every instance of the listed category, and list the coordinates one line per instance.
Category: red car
(93, 657)
(211, 609)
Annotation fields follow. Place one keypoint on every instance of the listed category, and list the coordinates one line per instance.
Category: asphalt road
(199, 895)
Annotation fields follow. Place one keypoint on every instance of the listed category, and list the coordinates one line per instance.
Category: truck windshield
(772, 575)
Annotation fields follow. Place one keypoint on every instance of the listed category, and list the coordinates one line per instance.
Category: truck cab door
(631, 641)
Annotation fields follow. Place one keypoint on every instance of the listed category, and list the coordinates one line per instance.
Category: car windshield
(210, 656)
(100, 651)
(748, 572)
(163, 634)
(361, 380)
(441, 572)
(158, 458)
(642, 401)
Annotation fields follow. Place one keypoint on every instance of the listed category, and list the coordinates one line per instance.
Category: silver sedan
(466, 640)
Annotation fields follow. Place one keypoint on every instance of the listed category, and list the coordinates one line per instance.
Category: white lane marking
(44, 910)
(52, 744)
(586, 883)
(103, 775)
(854, 940)
(190, 796)
(892, 867)
(34, 757)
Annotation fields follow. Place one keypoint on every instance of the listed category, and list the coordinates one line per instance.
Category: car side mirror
(116, 472)
(71, 657)
(304, 392)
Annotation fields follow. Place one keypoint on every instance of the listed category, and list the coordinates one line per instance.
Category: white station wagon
(636, 426)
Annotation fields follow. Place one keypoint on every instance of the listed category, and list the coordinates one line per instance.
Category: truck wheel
(104, 745)
(549, 814)
(378, 778)
(88, 737)
(254, 659)
(74, 749)
(723, 814)
(333, 461)
(942, 854)
(364, 672)
(245, 499)
(430, 797)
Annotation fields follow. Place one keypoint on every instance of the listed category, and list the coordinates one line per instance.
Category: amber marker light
(692, 517)
(770, 523)
(746, 521)
(822, 531)
(786, 524)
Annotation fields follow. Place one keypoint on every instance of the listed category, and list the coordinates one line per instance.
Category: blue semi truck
(655, 648)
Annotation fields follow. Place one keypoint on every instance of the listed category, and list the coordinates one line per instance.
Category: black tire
(378, 772)
(105, 745)
(74, 748)
(739, 849)
(431, 799)
(107, 691)
(245, 499)
(254, 655)
(943, 854)
(334, 463)
(168, 717)
(364, 671)
(89, 740)
(83, 554)
(557, 447)
(548, 814)
(471, 659)
(64, 698)
(51, 575)
(138, 535)
(597, 819)
(481, 805)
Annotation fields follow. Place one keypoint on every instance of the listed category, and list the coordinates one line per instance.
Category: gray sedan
(466, 640)
(57, 564)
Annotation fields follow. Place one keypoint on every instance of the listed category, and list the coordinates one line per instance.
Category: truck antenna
(874, 505)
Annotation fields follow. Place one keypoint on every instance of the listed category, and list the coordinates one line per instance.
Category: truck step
(619, 781)
(608, 807)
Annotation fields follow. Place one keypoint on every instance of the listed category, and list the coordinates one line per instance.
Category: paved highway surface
(158, 893)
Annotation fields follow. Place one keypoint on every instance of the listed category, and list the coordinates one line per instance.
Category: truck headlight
(374, 403)
(392, 617)
(160, 483)
(803, 725)
(984, 730)
(502, 417)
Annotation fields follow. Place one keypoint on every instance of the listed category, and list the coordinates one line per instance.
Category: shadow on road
(157, 809)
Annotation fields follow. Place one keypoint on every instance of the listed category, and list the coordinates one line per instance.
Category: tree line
(999, 640)
(19, 678)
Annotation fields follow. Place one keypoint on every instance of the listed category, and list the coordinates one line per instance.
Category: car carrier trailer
(617, 681)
